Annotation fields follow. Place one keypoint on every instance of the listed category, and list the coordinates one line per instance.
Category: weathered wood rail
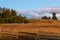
(17, 31)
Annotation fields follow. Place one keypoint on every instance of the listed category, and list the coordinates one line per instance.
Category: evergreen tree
(10, 16)
(13, 12)
(54, 16)
(49, 18)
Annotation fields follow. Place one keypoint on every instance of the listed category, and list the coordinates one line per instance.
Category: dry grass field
(51, 29)
(45, 27)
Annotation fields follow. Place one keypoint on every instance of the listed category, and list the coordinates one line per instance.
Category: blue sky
(29, 4)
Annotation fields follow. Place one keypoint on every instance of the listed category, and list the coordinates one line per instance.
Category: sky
(29, 7)
(28, 4)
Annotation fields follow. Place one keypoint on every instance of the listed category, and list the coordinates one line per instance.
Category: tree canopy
(54, 16)
(10, 16)
(45, 17)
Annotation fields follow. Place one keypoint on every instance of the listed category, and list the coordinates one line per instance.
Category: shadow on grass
(30, 36)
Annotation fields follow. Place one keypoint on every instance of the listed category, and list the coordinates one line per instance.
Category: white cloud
(22, 11)
(48, 10)
(37, 13)
(58, 15)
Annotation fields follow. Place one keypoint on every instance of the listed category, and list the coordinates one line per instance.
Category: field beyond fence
(50, 30)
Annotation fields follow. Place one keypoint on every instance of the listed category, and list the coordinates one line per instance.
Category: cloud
(47, 10)
(58, 15)
(28, 13)
(37, 13)
(22, 11)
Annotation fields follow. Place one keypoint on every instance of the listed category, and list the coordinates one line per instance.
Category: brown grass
(30, 26)
(14, 28)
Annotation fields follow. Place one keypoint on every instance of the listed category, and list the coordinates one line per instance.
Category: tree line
(10, 16)
(53, 16)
